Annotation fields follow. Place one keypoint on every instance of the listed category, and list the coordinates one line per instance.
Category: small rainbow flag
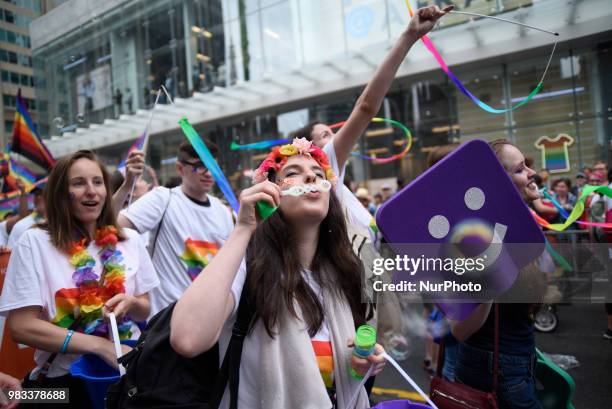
(197, 255)
(137, 145)
(15, 172)
(26, 140)
(9, 205)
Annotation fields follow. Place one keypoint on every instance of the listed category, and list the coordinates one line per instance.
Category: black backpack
(159, 378)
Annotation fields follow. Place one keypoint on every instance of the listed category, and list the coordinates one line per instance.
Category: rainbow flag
(197, 255)
(17, 171)
(11, 205)
(137, 145)
(26, 140)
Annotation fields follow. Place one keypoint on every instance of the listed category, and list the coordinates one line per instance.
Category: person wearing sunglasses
(188, 225)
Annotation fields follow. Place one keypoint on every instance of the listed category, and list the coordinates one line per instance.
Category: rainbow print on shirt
(197, 255)
(555, 155)
(325, 360)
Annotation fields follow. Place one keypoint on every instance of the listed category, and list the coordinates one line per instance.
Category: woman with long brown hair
(65, 275)
(303, 282)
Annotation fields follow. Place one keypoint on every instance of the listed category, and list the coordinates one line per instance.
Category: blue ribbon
(209, 161)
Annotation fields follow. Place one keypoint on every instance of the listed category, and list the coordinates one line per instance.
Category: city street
(579, 334)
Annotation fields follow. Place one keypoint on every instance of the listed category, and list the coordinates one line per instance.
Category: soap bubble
(58, 122)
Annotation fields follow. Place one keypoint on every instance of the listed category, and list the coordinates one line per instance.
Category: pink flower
(302, 144)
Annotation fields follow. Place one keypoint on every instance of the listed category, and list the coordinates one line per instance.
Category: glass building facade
(16, 73)
(110, 65)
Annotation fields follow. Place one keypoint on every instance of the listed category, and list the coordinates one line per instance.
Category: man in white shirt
(37, 216)
(187, 227)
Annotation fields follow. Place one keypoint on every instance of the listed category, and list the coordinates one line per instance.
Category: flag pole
(144, 145)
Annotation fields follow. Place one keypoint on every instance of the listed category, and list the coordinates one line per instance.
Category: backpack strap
(161, 222)
(230, 368)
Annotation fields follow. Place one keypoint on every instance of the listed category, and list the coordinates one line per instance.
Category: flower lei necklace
(80, 308)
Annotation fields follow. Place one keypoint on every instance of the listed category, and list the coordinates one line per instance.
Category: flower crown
(279, 155)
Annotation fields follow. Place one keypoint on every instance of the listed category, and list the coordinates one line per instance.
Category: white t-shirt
(357, 214)
(3, 234)
(189, 237)
(250, 364)
(19, 228)
(37, 270)
(607, 200)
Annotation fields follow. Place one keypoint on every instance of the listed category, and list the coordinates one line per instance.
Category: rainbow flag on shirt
(325, 360)
(197, 255)
(26, 140)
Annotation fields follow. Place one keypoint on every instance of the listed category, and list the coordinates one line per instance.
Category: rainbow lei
(80, 308)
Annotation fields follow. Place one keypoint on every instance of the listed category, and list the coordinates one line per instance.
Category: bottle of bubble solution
(365, 341)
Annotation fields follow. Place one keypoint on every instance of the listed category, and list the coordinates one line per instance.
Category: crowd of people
(89, 250)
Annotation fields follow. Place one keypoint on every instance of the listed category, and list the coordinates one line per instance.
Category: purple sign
(468, 201)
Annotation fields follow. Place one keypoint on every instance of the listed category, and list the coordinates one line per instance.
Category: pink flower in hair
(303, 145)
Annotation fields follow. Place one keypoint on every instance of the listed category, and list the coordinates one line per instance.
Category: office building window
(15, 58)
(33, 5)
(13, 18)
(17, 79)
(11, 101)
(14, 38)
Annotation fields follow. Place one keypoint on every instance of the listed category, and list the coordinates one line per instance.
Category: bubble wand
(266, 210)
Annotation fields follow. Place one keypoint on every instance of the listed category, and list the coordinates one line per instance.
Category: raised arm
(201, 312)
(134, 167)
(371, 98)
(544, 210)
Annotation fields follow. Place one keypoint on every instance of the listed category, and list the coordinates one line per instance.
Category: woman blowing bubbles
(303, 281)
(66, 275)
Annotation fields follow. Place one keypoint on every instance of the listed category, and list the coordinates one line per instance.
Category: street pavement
(579, 334)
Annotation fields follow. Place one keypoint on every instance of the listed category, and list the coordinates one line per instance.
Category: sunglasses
(195, 166)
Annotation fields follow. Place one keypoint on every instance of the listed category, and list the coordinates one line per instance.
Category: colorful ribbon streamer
(578, 210)
(209, 161)
(555, 203)
(432, 49)
(565, 215)
(258, 145)
(379, 161)
(561, 261)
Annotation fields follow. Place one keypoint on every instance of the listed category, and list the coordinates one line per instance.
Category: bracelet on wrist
(66, 341)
